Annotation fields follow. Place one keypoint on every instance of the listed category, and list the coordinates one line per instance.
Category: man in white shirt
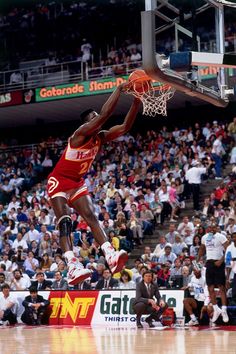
(217, 152)
(193, 306)
(19, 241)
(193, 177)
(230, 263)
(19, 282)
(5, 260)
(214, 244)
(8, 307)
(185, 224)
(32, 235)
(13, 204)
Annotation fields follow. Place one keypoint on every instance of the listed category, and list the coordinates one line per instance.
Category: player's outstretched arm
(96, 123)
(122, 129)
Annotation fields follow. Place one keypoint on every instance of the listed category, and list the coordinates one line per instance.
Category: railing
(68, 72)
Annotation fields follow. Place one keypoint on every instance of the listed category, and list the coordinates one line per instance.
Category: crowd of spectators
(23, 30)
(137, 184)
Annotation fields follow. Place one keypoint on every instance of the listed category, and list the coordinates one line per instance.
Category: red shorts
(59, 186)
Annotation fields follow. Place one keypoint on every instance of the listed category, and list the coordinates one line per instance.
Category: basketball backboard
(164, 16)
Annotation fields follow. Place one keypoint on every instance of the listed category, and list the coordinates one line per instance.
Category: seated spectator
(6, 261)
(41, 283)
(163, 274)
(147, 218)
(125, 281)
(45, 263)
(30, 264)
(135, 226)
(178, 245)
(2, 280)
(160, 247)
(59, 283)
(148, 255)
(195, 246)
(35, 308)
(19, 241)
(168, 255)
(106, 282)
(177, 268)
(156, 208)
(16, 78)
(8, 307)
(19, 282)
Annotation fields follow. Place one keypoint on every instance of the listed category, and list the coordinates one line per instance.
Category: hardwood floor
(82, 340)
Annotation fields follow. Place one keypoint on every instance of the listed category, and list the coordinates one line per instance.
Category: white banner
(114, 307)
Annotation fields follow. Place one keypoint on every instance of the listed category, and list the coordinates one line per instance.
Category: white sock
(215, 307)
(224, 308)
(107, 248)
(193, 317)
(69, 255)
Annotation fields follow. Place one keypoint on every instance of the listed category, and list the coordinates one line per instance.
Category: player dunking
(66, 186)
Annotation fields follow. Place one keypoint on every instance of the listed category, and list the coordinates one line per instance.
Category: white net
(154, 99)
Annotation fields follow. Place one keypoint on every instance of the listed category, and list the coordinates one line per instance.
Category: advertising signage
(10, 98)
(84, 88)
(96, 87)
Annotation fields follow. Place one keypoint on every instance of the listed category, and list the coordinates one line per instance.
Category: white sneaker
(192, 323)
(117, 260)
(211, 324)
(216, 314)
(76, 272)
(225, 316)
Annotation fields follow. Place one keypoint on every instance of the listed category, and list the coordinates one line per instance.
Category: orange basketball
(140, 81)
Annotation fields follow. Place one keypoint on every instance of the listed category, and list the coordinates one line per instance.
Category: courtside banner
(95, 87)
(115, 307)
(110, 308)
(83, 88)
(11, 98)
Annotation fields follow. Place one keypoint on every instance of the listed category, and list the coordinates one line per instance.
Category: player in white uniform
(214, 245)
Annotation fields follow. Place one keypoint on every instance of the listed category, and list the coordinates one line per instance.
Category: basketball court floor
(84, 340)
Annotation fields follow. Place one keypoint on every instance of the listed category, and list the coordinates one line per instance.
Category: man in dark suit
(41, 283)
(144, 302)
(59, 282)
(107, 282)
(35, 308)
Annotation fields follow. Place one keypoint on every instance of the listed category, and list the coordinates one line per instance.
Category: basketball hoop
(154, 98)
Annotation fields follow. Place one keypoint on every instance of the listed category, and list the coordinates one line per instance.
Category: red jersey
(76, 162)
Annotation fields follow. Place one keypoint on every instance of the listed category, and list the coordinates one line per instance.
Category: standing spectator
(214, 244)
(217, 152)
(86, 51)
(193, 176)
(8, 307)
(35, 307)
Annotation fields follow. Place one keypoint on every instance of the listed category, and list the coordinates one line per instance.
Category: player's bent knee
(65, 225)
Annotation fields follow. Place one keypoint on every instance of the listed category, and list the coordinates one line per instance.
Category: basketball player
(66, 186)
(214, 245)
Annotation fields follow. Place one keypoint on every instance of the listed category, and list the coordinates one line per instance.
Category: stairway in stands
(207, 187)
